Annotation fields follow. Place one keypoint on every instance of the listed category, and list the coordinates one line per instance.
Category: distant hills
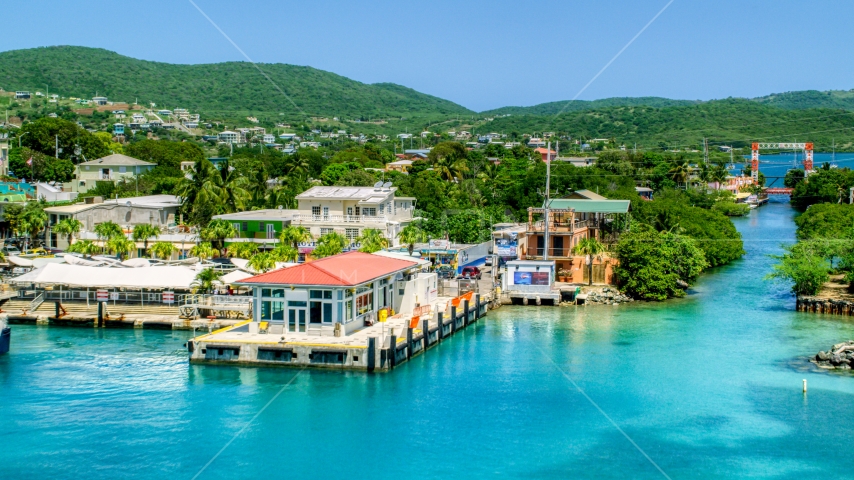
(553, 108)
(211, 88)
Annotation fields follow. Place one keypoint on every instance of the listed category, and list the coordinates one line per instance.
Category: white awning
(19, 262)
(235, 276)
(158, 278)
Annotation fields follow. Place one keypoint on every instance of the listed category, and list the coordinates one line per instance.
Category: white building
(231, 137)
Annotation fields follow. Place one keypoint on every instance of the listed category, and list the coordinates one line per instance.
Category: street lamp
(19, 138)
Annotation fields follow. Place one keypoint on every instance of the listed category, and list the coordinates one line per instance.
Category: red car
(471, 272)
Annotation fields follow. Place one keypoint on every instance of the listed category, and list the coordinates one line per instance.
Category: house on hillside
(100, 100)
(546, 154)
(111, 168)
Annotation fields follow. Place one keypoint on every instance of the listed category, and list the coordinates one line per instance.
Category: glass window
(296, 304)
(382, 208)
(315, 211)
(327, 294)
(348, 311)
(245, 227)
(265, 311)
(277, 310)
(260, 226)
(327, 312)
(278, 293)
(351, 233)
(265, 292)
(315, 294)
(340, 294)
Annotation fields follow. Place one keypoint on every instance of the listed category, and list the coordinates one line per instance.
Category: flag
(30, 161)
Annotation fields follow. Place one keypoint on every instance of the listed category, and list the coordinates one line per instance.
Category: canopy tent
(243, 264)
(19, 261)
(235, 276)
(79, 276)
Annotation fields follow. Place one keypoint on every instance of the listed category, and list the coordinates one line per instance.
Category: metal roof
(117, 159)
(343, 270)
(592, 206)
(343, 193)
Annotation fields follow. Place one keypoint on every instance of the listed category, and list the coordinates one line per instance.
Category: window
(237, 227)
(351, 233)
(320, 308)
(324, 231)
(369, 211)
(349, 210)
(272, 310)
(245, 226)
(382, 208)
(122, 169)
(315, 211)
(260, 226)
(325, 212)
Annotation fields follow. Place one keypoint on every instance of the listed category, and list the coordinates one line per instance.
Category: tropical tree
(243, 250)
(329, 244)
(162, 250)
(198, 194)
(285, 253)
(87, 248)
(591, 248)
(143, 231)
(68, 227)
(803, 265)
(262, 262)
(679, 171)
(120, 245)
(293, 235)
(205, 280)
(217, 231)
(296, 166)
(32, 221)
(489, 176)
(372, 240)
(204, 251)
(108, 230)
(410, 235)
(231, 187)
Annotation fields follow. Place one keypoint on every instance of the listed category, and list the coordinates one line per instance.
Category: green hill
(810, 99)
(731, 122)
(552, 108)
(211, 88)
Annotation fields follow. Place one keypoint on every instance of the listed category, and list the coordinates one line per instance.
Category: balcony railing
(341, 218)
(539, 226)
(537, 253)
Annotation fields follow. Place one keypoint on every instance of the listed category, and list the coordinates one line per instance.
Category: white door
(271, 231)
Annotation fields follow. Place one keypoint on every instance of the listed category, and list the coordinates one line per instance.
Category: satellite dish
(386, 184)
(280, 207)
(378, 184)
(128, 203)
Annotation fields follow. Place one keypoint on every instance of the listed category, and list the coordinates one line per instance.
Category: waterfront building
(338, 295)
(111, 168)
(569, 221)
(456, 256)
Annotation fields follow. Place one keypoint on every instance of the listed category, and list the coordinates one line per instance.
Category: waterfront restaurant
(336, 295)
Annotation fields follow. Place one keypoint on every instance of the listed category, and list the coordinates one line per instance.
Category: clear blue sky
(482, 54)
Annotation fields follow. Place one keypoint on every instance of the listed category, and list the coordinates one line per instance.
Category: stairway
(76, 309)
(15, 307)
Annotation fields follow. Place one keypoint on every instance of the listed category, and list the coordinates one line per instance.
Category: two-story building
(351, 210)
(111, 168)
(569, 221)
(258, 226)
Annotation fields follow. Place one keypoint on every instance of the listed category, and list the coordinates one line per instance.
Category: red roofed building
(350, 289)
(545, 153)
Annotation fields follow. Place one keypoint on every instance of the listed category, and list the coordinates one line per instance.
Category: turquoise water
(707, 387)
(777, 165)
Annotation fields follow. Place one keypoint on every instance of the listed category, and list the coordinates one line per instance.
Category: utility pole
(705, 151)
(56, 147)
(548, 200)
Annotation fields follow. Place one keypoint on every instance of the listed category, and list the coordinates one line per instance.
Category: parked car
(444, 271)
(10, 250)
(471, 272)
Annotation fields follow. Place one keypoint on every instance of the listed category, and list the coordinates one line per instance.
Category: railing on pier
(36, 302)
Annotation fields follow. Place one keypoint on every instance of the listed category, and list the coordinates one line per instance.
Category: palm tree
(680, 171)
(489, 176)
(231, 188)
(68, 227)
(120, 245)
(410, 235)
(451, 169)
(329, 244)
(217, 231)
(262, 262)
(205, 280)
(293, 235)
(589, 247)
(296, 166)
(162, 250)
(372, 240)
(204, 251)
(285, 253)
(33, 221)
(243, 249)
(143, 231)
(107, 230)
(719, 174)
(85, 247)
(196, 190)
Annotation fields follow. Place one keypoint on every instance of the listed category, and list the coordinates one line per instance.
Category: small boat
(5, 337)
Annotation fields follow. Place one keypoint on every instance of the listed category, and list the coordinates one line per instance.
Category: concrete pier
(378, 348)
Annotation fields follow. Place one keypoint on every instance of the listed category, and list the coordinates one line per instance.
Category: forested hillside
(212, 88)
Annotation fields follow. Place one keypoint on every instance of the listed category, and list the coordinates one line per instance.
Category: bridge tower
(806, 147)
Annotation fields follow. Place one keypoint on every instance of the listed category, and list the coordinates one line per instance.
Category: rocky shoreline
(839, 357)
(825, 305)
(604, 296)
